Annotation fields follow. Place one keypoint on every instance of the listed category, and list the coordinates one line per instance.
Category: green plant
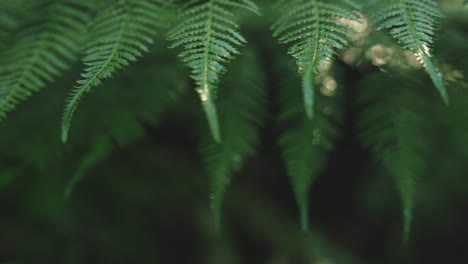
(340, 48)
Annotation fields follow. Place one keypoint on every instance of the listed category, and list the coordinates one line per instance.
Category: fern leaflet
(412, 23)
(208, 33)
(315, 30)
(394, 125)
(120, 120)
(306, 143)
(119, 36)
(242, 113)
(41, 52)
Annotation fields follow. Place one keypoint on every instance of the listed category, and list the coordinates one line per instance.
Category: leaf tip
(213, 122)
(305, 222)
(304, 215)
(64, 136)
(216, 210)
(407, 219)
(446, 99)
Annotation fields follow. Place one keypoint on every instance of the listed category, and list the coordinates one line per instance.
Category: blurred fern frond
(134, 138)
(120, 119)
(242, 113)
(394, 124)
(41, 52)
(8, 21)
(306, 143)
(100, 150)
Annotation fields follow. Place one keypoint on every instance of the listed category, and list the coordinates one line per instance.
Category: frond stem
(308, 78)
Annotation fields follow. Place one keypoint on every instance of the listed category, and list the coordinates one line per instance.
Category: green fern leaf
(307, 142)
(394, 124)
(41, 52)
(119, 36)
(315, 28)
(242, 113)
(208, 33)
(122, 119)
(413, 23)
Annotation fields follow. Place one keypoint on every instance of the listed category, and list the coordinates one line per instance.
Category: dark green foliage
(99, 152)
(8, 21)
(346, 115)
(395, 124)
(104, 117)
(40, 52)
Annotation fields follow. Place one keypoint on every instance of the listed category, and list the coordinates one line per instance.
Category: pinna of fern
(413, 24)
(119, 35)
(316, 30)
(242, 112)
(394, 123)
(118, 121)
(208, 34)
(41, 51)
(306, 143)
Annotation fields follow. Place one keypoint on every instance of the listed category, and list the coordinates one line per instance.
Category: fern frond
(242, 112)
(155, 88)
(41, 52)
(315, 28)
(121, 120)
(306, 142)
(413, 24)
(208, 33)
(394, 124)
(119, 36)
